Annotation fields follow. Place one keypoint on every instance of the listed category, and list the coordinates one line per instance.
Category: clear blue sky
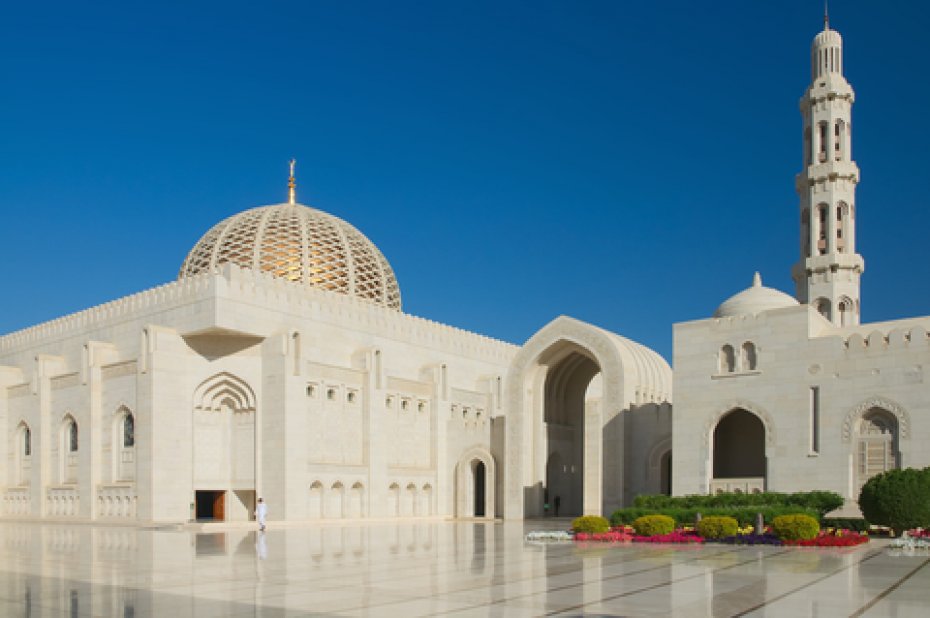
(628, 164)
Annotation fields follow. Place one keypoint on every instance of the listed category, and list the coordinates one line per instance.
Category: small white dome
(300, 244)
(827, 38)
(753, 300)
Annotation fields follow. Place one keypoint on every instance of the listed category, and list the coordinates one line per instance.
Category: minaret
(827, 276)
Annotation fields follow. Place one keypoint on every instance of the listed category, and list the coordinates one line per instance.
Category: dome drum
(299, 244)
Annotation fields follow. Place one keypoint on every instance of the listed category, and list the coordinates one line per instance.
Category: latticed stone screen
(299, 244)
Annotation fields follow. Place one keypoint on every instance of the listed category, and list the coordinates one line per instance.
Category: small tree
(899, 499)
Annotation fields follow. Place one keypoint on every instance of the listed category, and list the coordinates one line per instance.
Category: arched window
(27, 442)
(838, 139)
(727, 359)
(877, 444)
(806, 232)
(822, 155)
(846, 312)
(72, 436)
(822, 305)
(129, 431)
(822, 216)
(748, 356)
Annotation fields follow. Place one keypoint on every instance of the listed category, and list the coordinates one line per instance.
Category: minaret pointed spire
(826, 15)
(292, 185)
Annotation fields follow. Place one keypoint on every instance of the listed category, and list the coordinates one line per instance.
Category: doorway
(479, 489)
(210, 504)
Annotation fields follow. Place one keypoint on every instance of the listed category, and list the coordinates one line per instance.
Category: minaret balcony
(835, 261)
(832, 169)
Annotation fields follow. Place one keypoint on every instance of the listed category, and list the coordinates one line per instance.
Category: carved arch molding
(904, 419)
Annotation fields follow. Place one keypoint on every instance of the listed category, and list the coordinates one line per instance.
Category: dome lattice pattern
(300, 244)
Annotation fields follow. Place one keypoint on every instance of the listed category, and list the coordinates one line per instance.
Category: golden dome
(300, 244)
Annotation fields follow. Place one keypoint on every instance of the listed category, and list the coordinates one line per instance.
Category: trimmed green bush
(899, 499)
(856, 524)
(590, 523)
(795, 527)
(651, 525)
(717, 527)
(821, 501)
(746, 515)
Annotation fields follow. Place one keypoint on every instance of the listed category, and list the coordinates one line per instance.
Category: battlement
(237, 284)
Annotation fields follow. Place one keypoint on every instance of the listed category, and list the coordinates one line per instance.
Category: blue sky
(628, 164)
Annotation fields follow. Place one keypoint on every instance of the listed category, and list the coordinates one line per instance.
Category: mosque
(280, 364)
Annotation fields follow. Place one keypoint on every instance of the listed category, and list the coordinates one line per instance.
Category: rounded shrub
(717, 527)
(594, 524)
(795, 527)
(899, 499)
(651, 525)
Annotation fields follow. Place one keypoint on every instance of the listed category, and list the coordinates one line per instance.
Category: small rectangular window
(815, 419)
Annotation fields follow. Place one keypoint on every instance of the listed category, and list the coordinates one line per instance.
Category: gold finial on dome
(292, 185)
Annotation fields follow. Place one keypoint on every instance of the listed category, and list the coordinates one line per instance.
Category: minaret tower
(827, 276)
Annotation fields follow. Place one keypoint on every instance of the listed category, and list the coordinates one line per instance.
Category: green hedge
(846, 523)
(821, 501)
(745, 515)
(899, 499)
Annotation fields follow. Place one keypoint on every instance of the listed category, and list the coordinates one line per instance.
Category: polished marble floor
(433, 569)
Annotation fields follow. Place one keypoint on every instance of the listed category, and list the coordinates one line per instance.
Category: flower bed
(751, 538)
(829, 537)
(548, 535)
(917, 539)
(678, 536)
(832, 538)
(613, 536)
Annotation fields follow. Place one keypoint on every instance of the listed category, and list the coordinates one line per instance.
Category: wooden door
(219, 506)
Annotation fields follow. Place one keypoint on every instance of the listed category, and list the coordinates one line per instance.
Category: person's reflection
(261, 548)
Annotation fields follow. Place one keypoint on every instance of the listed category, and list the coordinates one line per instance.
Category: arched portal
(224, 448)
(739, 452)
(474, 484)
(665, 474)
(567, 389)
(564, 414)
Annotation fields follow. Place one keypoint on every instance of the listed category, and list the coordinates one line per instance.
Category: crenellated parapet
(241, 285)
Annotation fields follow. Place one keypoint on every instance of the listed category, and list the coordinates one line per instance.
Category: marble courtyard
(464, 568)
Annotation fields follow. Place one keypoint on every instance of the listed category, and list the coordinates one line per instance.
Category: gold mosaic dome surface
(300, 244)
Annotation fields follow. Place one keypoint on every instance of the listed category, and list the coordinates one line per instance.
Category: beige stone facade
(281, 365)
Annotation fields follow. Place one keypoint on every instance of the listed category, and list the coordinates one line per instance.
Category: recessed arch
(884, 403)
(475, 473)
(631, 374)
(227, 388)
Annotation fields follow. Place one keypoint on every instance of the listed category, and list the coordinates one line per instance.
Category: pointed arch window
(72, 436)
(27, 442)
(129, 431)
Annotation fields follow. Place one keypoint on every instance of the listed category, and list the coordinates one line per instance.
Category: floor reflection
(426, 569)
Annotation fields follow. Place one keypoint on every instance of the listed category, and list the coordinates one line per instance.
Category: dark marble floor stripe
(889, 590)
(808, 584)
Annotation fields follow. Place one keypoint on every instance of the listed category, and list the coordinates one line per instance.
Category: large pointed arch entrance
(567, 389)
